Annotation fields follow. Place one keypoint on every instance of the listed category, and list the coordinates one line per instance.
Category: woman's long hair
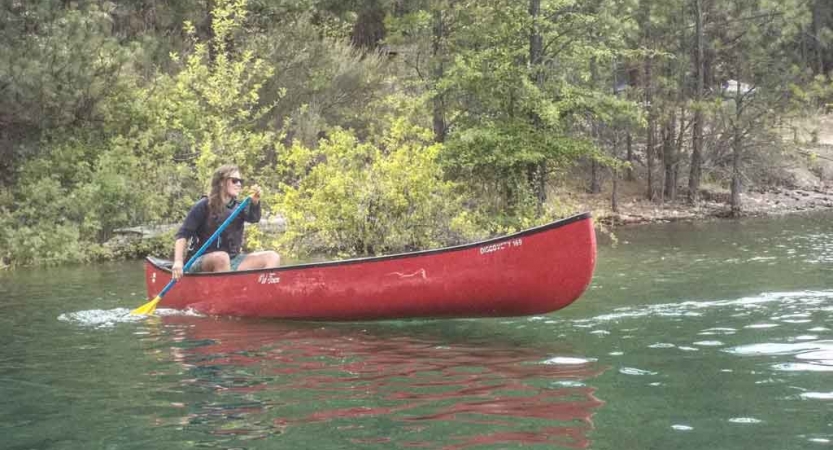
(215, 197)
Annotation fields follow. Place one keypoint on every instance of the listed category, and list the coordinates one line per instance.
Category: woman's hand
(176, 270)
(255, 193)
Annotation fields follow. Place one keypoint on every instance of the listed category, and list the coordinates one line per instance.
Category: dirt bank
(805, 171)
(634, 209)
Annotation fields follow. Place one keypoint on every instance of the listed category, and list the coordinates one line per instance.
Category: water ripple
(744, 420)
(635, 371)
(804, 367)
(781, 349)
(817, 395)
(109, 318)
(813, 356)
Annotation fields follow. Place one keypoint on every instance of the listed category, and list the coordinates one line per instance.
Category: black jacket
(198, 224)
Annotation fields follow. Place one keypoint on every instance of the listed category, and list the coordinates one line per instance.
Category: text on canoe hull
(491, 248)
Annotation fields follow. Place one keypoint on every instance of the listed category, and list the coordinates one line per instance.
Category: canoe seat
(161, 262)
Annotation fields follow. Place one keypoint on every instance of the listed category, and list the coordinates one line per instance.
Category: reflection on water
(693, 336)
(251, 380)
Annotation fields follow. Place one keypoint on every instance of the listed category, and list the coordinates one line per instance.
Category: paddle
(150, 306)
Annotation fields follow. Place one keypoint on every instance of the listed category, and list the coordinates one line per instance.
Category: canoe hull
(532, 272)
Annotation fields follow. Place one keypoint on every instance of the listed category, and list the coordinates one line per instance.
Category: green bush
(45, 244)
(355, 199)
(500, 165)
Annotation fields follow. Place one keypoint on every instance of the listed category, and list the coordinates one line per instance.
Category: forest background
(380, 126)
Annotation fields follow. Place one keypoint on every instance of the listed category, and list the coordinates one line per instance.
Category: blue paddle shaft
(208, 242)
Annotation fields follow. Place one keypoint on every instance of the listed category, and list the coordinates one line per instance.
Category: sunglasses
(236, 180)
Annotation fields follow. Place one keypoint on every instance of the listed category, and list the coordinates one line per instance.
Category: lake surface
(692, 336)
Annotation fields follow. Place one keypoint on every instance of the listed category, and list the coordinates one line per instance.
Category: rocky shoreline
(634, 210)
(715, 205)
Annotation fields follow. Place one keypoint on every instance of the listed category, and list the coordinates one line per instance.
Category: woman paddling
(206, 216)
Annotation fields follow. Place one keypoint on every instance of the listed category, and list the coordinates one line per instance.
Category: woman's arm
(196, 218)
(253, 210)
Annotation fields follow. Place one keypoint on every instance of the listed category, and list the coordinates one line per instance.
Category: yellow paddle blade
(146, 309)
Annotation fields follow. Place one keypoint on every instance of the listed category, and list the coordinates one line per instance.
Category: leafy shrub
(42, 245)
(355, 199)
(500, 164)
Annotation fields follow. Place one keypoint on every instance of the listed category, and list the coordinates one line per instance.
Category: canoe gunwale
(158, 263)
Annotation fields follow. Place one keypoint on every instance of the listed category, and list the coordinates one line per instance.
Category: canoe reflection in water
(425, 385)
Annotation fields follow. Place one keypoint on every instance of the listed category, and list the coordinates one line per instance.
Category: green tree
(57, 65)
(758, 80)
(161, 141)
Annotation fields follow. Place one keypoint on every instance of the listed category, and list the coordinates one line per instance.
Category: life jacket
(229, 241)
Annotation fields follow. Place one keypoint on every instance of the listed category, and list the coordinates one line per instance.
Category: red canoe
(535, 271)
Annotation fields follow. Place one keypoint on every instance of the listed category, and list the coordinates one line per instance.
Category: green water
(713, 335)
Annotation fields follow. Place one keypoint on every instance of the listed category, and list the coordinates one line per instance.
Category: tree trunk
(669, 148)
(736, 175)
(827, 21)
(614, 175)
(439, 71)
(737, 136)
(369, 28)
(7, 159)
(595, 186)
(649, 148)
(541, 187)
(536, 44)
(695, 172)
(737, 148)
(817, 28)
(629, 143)
(710, 57)
(208, 31)
(536, 52)
(644, 18)
(680, 141)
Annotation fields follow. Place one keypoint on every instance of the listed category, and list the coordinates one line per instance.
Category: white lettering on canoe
(491, 248)
(268, 278)
(153, 278)
(420, 272)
